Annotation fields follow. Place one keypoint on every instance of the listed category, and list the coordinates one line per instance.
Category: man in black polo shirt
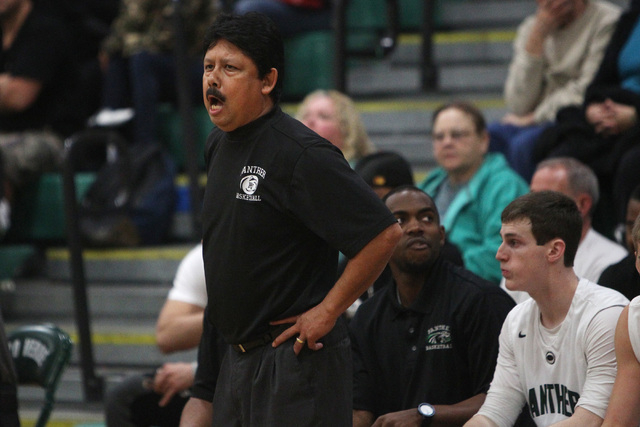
(280, 203)
(429, 337)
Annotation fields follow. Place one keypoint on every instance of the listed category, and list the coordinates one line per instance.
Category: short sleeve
(189, 283)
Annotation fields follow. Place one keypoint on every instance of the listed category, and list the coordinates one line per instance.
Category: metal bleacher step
(147, 264)
(483, 13)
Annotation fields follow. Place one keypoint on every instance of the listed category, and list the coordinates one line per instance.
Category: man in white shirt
(556, 53)
(576, 180)
(556, 353)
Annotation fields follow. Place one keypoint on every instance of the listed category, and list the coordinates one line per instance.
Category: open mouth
(417, 244)
(215, 98)
(214, 102)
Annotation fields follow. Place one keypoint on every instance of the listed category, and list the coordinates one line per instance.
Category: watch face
(426, 410)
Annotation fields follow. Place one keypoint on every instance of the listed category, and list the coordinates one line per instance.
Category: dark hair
(552, 215)
(415, 189)
(257, 36)
(466, 107)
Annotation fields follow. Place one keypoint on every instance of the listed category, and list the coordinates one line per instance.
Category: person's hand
(308, 328)
(597, 114)
(522, 121)
(406, 418)
(611, 118)
(172, 378)
(625, 117)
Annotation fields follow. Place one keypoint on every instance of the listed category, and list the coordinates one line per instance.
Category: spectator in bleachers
(290, 16)
(38, 96)
(471, 186)
(158, 398)
(624, 405)
(604, 132)
(622, 276)
(556, 353)
(555, 55)
(140, 63)
(89, 22)
(430, 337)
(577, 181)
(334, 116)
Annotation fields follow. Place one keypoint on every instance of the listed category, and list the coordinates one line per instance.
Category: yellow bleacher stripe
(61, 254)
(409, 105)
(63, 423)
(493, 36)
(118, 338)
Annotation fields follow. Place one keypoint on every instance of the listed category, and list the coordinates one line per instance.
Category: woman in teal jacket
(471, 187)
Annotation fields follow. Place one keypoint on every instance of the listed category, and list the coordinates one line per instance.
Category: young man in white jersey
(624, 407)
(556, 349)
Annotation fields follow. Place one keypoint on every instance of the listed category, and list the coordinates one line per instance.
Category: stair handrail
(386, 43)
(93, 385)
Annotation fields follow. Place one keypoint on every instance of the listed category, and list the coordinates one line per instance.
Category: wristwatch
(427, 411)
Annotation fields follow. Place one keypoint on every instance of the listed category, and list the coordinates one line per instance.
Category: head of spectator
(561, 13)
(460, 140)
(541, 232)
(384, 170)
(571, 178)
(633, 212)
(334, 116)
(243, 69)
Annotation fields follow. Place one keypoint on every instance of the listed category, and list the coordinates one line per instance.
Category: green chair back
(40, 354)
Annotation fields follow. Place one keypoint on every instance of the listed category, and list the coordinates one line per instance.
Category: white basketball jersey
(548, 368)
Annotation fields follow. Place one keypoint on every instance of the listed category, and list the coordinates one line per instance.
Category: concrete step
(489, 13)
(483, 13)
(467, 47)
(42, 299)
(140, 264)
(471, 61)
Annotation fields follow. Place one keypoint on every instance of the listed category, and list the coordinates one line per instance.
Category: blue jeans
(517, 144)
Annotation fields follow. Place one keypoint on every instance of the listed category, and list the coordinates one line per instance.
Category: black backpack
(132, 200)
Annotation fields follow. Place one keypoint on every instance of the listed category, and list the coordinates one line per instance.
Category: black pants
(132, 404)
(273, 387)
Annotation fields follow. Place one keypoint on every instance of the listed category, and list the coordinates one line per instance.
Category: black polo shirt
(280, 203)
(441, 350)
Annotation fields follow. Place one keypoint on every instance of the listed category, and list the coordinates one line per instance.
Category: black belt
(260, 341)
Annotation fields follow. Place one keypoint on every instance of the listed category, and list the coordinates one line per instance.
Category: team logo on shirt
(439, 338)
(552, 399)
(249, 183)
